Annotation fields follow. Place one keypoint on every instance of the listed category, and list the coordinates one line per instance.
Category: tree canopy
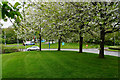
(64, 21)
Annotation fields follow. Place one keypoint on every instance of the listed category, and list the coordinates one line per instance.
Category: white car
(33, 48)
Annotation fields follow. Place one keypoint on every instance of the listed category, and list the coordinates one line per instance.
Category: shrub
(8, 50)
(114, 47)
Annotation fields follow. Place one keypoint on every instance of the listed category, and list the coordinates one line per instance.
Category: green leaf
(18, 20)
(16, 4)
(12, 14)
(4, 2)
(5, 19)
(18, 14)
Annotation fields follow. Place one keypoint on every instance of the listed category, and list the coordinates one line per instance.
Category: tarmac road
(93, 50)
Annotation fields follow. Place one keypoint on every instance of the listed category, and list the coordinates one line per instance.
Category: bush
(114, 47)
(107, 42)
(8, 50)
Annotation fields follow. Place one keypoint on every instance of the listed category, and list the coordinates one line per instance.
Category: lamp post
(5, 37)
(49, 44)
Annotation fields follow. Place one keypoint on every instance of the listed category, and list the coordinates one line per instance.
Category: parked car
(28, 43)
(42, 40)
(33, 48)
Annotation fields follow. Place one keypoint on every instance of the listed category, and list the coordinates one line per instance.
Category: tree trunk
(80, 44)
(52, 41)
(102, 37)
(59, 44)
(40, 41)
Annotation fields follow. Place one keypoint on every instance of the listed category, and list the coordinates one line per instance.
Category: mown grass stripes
(58, 64)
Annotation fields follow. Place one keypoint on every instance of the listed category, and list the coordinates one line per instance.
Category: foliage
(8, 50)
(9, 35)
(10, 11)
(105, 20)
(0, 12)
(115, 46)
(113, 50)
(51, 16)
(69, 21)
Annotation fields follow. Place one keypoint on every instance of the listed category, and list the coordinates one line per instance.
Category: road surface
(93, 50)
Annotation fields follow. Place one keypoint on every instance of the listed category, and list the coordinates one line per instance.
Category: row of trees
(69, 20)
(9, 36)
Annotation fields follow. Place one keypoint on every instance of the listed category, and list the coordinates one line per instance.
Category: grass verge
(55, 45)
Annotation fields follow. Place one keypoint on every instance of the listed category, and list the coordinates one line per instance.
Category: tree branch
(113, 30)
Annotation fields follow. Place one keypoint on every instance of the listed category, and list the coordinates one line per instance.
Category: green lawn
(54, 64)
(53, 46)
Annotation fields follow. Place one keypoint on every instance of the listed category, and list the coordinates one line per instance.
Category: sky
(6, 24)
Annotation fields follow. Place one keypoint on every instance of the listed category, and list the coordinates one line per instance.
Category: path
(93, 50)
